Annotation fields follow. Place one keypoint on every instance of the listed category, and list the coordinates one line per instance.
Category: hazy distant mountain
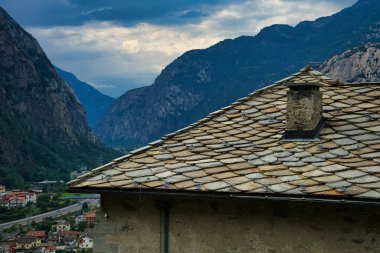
(94, 102)
(360, 64)
(201, 81)
(43, 130)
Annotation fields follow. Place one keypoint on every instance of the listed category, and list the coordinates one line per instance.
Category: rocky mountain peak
(360, 64)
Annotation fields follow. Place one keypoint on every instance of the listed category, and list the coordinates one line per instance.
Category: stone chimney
(303, 111)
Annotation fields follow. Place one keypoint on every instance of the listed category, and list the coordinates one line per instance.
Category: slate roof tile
(248, 186)
(370, 194)
(351, 174)
(240, 149)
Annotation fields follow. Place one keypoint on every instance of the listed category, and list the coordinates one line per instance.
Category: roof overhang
(230, 195)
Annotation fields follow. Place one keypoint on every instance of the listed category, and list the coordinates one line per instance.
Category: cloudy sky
(117, 45)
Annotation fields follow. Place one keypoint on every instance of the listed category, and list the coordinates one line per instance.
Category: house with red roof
(36, 234)
(48, 249)
(90, 217)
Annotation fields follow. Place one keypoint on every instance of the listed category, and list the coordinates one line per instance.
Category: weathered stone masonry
(134, 224)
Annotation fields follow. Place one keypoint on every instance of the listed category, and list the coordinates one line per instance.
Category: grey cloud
(85, 13)
(70, 12)
(193, 14)
(338, 3)
(119, 55)
(102, 69)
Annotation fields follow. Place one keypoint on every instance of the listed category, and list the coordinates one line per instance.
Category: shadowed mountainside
(43, 129)
(201, 81)
(94, 102)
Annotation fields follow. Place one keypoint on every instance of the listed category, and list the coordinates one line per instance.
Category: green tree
(43, 198)
(59, 187)
(46, 224)
(11, 179)
(57, 196)
(85, 207)
(82, 225)
(43, 202)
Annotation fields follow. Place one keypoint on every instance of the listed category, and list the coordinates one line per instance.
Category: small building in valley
(62, 225)
(293, 167)
(90, 218)
(46, 185)
(41, 234)
(27, 243)
(79, 219)
(86, 242)
(48, 248)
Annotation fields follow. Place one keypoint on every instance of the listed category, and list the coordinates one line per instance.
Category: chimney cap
(310, 84)
(307, 68)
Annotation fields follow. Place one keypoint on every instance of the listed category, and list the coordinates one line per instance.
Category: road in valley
(52, 214)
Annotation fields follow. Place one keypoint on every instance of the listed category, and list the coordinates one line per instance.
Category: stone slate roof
(239, 149)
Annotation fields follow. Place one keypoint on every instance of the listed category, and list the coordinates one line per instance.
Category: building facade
(27, 243)
(62, 226)
(293, 167)
(225, 224)
(90, 218)
(86, 242)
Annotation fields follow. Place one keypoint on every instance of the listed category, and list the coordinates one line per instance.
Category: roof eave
(232, 195)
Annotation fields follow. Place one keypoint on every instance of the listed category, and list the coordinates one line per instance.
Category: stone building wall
(202, 225)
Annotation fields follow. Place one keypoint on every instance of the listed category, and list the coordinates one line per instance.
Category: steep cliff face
(201, 81)
(361, 64)
(43, 130)
(94, 102)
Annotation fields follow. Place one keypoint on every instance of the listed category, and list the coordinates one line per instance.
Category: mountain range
(94, 102)
(201, 81)
(43, 129)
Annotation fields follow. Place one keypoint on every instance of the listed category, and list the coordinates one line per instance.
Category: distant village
(72, 232)
(60, 238)
(16, 197)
